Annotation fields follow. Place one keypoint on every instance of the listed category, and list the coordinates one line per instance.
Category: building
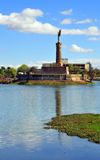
(61, 66)
(58, 70)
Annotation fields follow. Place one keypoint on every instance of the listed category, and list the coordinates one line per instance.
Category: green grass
(46, 82)
(81, 125)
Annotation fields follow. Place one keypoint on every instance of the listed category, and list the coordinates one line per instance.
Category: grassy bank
(44, 82)
(52, 82)
(81, 125)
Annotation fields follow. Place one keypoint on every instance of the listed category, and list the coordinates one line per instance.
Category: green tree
(77, 69)
(2, 67)
(2, 71)
(71, 68)
(91, 73)
(13, 72)
(8, 67)
(23, 68)
(7, 73)
(33, 70)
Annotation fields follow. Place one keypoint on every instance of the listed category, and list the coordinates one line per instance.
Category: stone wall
(70, 77)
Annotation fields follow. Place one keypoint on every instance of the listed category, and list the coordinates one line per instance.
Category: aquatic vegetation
(82, 125)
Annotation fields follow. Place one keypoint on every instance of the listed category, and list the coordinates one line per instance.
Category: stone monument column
(58, 53)
(58, 50)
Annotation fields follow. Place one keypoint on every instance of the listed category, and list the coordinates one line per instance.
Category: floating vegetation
(82, 125)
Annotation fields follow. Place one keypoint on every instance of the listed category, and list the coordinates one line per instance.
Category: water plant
(82, 125)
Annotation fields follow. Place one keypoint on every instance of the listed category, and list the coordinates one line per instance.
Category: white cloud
(67, 12)
(64, 46)
(95, 20)
(66, 21)
(30, 13)
(94, 39)
(26, 22)
(93, 30)
(84, 21)
(75, 48)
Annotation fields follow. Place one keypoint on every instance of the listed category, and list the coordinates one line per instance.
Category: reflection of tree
(58, 103)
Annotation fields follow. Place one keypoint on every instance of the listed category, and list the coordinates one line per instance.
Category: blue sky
(28, 31)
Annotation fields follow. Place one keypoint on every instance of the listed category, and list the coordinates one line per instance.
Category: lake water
(25, 109)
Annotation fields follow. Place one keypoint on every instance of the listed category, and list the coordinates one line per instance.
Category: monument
(58, 50)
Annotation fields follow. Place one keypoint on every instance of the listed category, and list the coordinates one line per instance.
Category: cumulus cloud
(67, 12)
(84, 21)
(66, 21)
(93, 30)
(95, 20)
(75, 48)
(94, 39)
(64, 46)
(26, 22)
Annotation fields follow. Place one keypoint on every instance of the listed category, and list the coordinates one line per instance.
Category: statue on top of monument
(59, 33)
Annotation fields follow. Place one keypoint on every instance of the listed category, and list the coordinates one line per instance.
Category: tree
(13, 72)
(33, 69)
(2, 71)
(91, 74)
(8, 67)
(71, 68)
(7, 73)
(2, 67)
(23, 68)
(77, 69)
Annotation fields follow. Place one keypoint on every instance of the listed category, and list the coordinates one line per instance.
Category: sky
(28, 31)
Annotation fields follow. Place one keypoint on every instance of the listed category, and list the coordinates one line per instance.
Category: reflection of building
(58, 103)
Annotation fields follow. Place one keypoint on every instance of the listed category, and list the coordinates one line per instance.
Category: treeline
(11, 72)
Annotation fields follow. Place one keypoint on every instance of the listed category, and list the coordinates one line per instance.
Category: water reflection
(58, 102)
(24, 110)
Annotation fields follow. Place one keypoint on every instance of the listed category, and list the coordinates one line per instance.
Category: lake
(24, 110)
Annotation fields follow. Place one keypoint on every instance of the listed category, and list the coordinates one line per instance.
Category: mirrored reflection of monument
(58, 103)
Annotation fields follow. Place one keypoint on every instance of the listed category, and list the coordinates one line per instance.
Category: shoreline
(82, 125)
(46, 82)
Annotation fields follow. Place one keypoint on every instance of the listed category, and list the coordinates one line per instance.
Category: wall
(72, 77)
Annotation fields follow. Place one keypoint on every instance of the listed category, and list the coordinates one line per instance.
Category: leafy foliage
(33, 70)
(2, 71)
(13, 72)
(23, 68)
